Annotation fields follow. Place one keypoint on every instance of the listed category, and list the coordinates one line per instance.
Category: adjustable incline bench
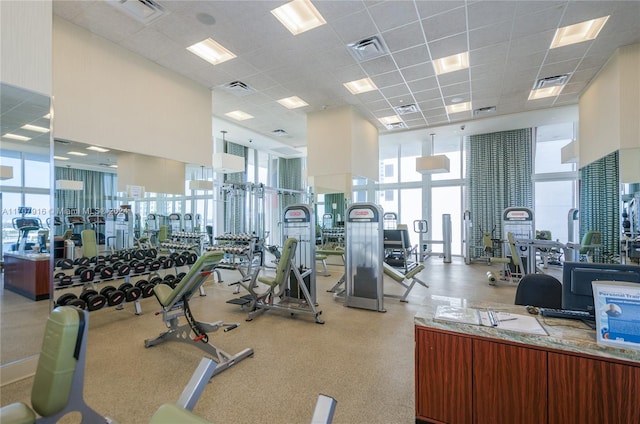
(401, 278)
(175, 303)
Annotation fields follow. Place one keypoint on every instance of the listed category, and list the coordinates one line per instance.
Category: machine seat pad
(500, 260)
(270, 281)
(163, 293)
(170, 413)
(329, 252)
(320, 257)
(400, 277)
(17, 413)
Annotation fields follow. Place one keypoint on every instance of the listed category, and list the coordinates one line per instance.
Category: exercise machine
(174, 221)
(97, 224)
(299, 222)
(421, 227)
(175, 303)
(25, 225)
(519, 221)
(76, 223)
(191, 222)
(365, 257)
(285, 291)
(490, 243)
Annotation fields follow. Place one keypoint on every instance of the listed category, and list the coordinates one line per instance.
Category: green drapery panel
(289, 177)
(235, 214)
(97, 193)
(600, 204)
(499, 169)
(338, 199)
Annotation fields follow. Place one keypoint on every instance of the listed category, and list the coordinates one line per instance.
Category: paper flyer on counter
(617, 309)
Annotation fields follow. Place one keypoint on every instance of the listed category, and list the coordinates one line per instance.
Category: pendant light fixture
(436, 164)
(226, 163)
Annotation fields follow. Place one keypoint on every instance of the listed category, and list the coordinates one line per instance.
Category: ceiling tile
(413, 56)
(404, 37)
(496, 53)
(430, 8)
(454, 77)
(379, 65)
(423, 84)
(354, 27)
(428, 95)
(445, 25)
(416, 72)
(488, 13)
(448, 46)
(489, 35)
(395, 91)
(535, 23)
(388, 79)
(393, 14)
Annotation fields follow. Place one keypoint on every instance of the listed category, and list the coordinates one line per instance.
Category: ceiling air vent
(406, 109)
(551, 81)
(368, 49)
(396, 125)
(280, 133)
(481, 111)
(144, 11)
(238, 88)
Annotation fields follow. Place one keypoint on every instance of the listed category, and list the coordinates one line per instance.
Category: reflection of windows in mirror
(36, 171)
(10, 204)
(554, 199)
(446, 200)
(410, 210)
(388, 200)
(408, 154)
(14, 160)
(360, 196)
(359, 181)
(550, 139)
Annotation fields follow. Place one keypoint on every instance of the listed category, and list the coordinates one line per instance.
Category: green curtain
(289, 177)
(234, 210)
(97, 193)
(600, 204)
(499, 170)
(338, 199)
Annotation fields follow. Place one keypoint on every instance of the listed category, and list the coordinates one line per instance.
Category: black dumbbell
(70, 299)
(93, 299)
(131, 293)
(64, 279)
(167, 263)
(181, 260)
(126, 256)
(86, 274)
(140, 254)
(154, 265)
(106, 273)
(83, 261)
(192, 258)
(139, 267)
(152, 253)
(65, 264)
(123, 270)
(113, 295)
(145, 287)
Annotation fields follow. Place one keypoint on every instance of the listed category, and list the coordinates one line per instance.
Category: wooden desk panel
(27, 276)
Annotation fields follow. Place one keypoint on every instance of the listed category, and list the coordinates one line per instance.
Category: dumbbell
(64, 279)
(138, 267)
(131, 293)
(192, 258)
(145, 287)
(121, 269)
(152, 253)
(113, 295)
(65, 264)
(86, 274)
(70, 299)
(180, 260)
(83, 261)
(93, 299)
(154, 265)
(168, 263)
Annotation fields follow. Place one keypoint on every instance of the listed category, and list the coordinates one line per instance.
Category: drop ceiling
(508, 44)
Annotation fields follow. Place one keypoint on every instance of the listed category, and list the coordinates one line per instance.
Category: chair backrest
(284, 264)
(396, 239)
(58, 359)
(541, 290)
(89, 243)
(163, 233)
(515, 258)
(590, 238)
(198, 273)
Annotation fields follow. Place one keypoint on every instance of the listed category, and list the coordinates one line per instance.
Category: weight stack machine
(364, 256)
(519, 221)
(299, 223)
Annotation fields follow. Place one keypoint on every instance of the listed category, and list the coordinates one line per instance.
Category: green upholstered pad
(329, 252)
(56, 365)
(191, 282)
(170, 413)
(89, 244)
(320, 257)
(401, 277)
(512, 247)
(288, 249)
(17, 413)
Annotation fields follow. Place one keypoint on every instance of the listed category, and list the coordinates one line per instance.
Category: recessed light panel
(211, 51)
(35, 128)
(458, 107)
(545, 92)
(60, 158)
(238, 115)
(577, 33)
(390, 120)
(98, 149)
(360, 86)
(451, 63)
(77, 153)
(16, 137)
(298, 16)
(293, 102)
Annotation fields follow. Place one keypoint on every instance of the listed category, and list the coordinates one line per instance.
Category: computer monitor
(577, 293)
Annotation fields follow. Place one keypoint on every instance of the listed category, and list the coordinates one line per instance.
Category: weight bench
(181, 412)
(402, 278)
(58, 384)
(322, 255)
(175, 303)
(279, 286)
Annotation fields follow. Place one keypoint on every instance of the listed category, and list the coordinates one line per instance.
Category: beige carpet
(362, 358)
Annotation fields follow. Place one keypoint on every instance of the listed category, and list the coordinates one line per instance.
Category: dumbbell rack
(239, 252)
(124, 265)
(184, 240)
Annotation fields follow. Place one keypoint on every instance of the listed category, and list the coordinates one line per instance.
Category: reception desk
(28, 274)
(468, 373)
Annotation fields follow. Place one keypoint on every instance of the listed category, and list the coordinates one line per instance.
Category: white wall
(609, 109)
(109, 96)
(25, 36)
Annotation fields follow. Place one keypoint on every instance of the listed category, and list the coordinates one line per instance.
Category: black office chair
(539, 290)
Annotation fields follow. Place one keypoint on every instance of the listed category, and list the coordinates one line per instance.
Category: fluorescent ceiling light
(60, 158)
(35, 128)
(113, 166)
(47, 116)
(293, 102)
(98, 149)
(298, 16)
(77, 153)
(360, 86)
(541, 93)
(451, 63)
(211, 51)
(16, 137)
(389, 120)
(238, 115)
(577, 33)
(458, 107)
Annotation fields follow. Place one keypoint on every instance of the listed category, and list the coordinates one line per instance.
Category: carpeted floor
(362, 358)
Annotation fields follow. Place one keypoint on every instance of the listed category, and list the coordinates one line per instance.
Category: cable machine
(299, 222)
(520, 222)
(365, 257)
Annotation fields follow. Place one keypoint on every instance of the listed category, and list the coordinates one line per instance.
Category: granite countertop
(563, 334)
(29, 256)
